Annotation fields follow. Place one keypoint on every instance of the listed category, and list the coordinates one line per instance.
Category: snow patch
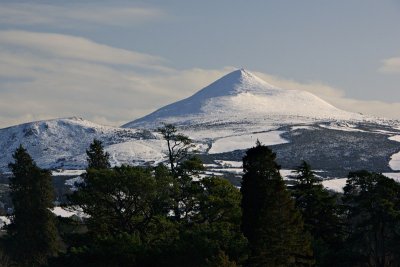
(336, 185)
(393, 175)
(301, 127)
(4, 220)
(395, 138)
(346, 127)
(394, 162)
(62, 212)
(229, 163)
(67, 172)
(230, 170)
(136, 152)
(228, 144)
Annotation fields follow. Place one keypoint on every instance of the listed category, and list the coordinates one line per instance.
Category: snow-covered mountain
(241, 96)
(61, 143)
(224, 119)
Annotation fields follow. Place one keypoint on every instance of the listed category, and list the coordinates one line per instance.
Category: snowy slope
(241, 96)
(59, 143)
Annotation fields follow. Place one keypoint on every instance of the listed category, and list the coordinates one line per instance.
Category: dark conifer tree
(372, 203)
(320, 212)
(270, 221)
(33, 234)
(96, 157)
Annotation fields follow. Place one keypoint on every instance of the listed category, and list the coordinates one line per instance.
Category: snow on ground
(67, 172)
(394, 162)
(286, 173)
(393, 175)
(59, 211)
(246, 141)
(336, 185)
(395, 138)
(211, 165)
(207, 173)
(346, 127)
(301, 127)
(137, 151)
(4, 220)
(230, 170)
(385, 132)
(229, 163)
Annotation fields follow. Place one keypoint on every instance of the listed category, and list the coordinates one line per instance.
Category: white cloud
(317, 88)
(67, 14)
(390, 65)
(71, 47)
(46, 76)
(52, 75)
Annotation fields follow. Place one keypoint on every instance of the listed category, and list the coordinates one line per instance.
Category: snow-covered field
(67, 172)
(229, 163)
(336, 185)
(395, 162)
(246, 141)
(394, 175)
(134, 152)
(347, 127)
(395, 159)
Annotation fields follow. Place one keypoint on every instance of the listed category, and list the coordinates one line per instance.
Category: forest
(173, 214)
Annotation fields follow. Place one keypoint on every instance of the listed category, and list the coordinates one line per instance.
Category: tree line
(174, 215)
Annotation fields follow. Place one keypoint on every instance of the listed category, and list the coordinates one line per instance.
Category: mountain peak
(240, 95)
(239, 81)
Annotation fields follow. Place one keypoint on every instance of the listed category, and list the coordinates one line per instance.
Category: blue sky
(114, 61)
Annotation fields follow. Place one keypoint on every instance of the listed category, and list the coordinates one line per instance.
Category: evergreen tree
(33, 234)
(96, 157)
(270, 221)
(124, 199)
(186, 190)
(372, 203)
(320, 212)
(211, 235)
(128, 215)
(178, 145)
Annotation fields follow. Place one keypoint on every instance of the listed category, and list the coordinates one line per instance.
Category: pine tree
(178, 146)
(96, 157)
(372, 203)
(271, 223)
(320, 212)
(33, 234)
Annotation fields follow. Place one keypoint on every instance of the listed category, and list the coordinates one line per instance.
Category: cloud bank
(391, 65)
